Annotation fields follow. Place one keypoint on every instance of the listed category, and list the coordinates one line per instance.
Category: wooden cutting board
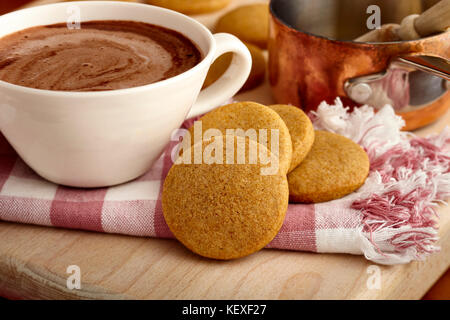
(34, 262)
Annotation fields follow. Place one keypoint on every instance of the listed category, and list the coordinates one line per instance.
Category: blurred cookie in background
(191, 6)
(249, 23)
(257, 73)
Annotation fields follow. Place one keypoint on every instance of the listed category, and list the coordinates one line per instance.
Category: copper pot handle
(392, 86)
(436, 66)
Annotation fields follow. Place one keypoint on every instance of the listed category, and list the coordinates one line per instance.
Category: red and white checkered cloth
(390, 219)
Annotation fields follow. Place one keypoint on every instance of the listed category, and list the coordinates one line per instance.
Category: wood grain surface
(34, 261)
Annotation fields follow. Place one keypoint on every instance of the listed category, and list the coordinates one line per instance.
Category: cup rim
(288, 25)
(155, 85)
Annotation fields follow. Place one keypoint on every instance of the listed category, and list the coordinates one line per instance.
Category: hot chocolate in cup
(103, 55)
(103, 136)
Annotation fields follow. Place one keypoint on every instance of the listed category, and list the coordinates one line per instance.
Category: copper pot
(312, 58)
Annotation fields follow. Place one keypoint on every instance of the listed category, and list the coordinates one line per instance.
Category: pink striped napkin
(390, 219)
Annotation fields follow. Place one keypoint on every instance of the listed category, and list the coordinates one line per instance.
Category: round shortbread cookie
(249, 23)
(224, 211)
(335, 167)
(300, 129)
(191, 6)
(257, 73)
(254, 118)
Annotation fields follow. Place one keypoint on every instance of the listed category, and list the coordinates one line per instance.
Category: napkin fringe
(409, 177)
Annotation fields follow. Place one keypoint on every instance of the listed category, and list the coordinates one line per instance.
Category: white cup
(96, 139)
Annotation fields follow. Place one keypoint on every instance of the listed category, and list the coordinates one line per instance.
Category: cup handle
(231, 81)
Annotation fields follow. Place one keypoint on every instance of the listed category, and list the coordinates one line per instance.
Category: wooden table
(34, 261)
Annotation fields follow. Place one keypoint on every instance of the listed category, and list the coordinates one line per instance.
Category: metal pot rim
(282, 21)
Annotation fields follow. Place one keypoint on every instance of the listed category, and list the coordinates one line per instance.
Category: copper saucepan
(312, 58)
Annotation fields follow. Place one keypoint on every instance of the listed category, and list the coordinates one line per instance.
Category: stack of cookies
(227, 194)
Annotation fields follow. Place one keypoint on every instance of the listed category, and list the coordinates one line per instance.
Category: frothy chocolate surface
(102, 55)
